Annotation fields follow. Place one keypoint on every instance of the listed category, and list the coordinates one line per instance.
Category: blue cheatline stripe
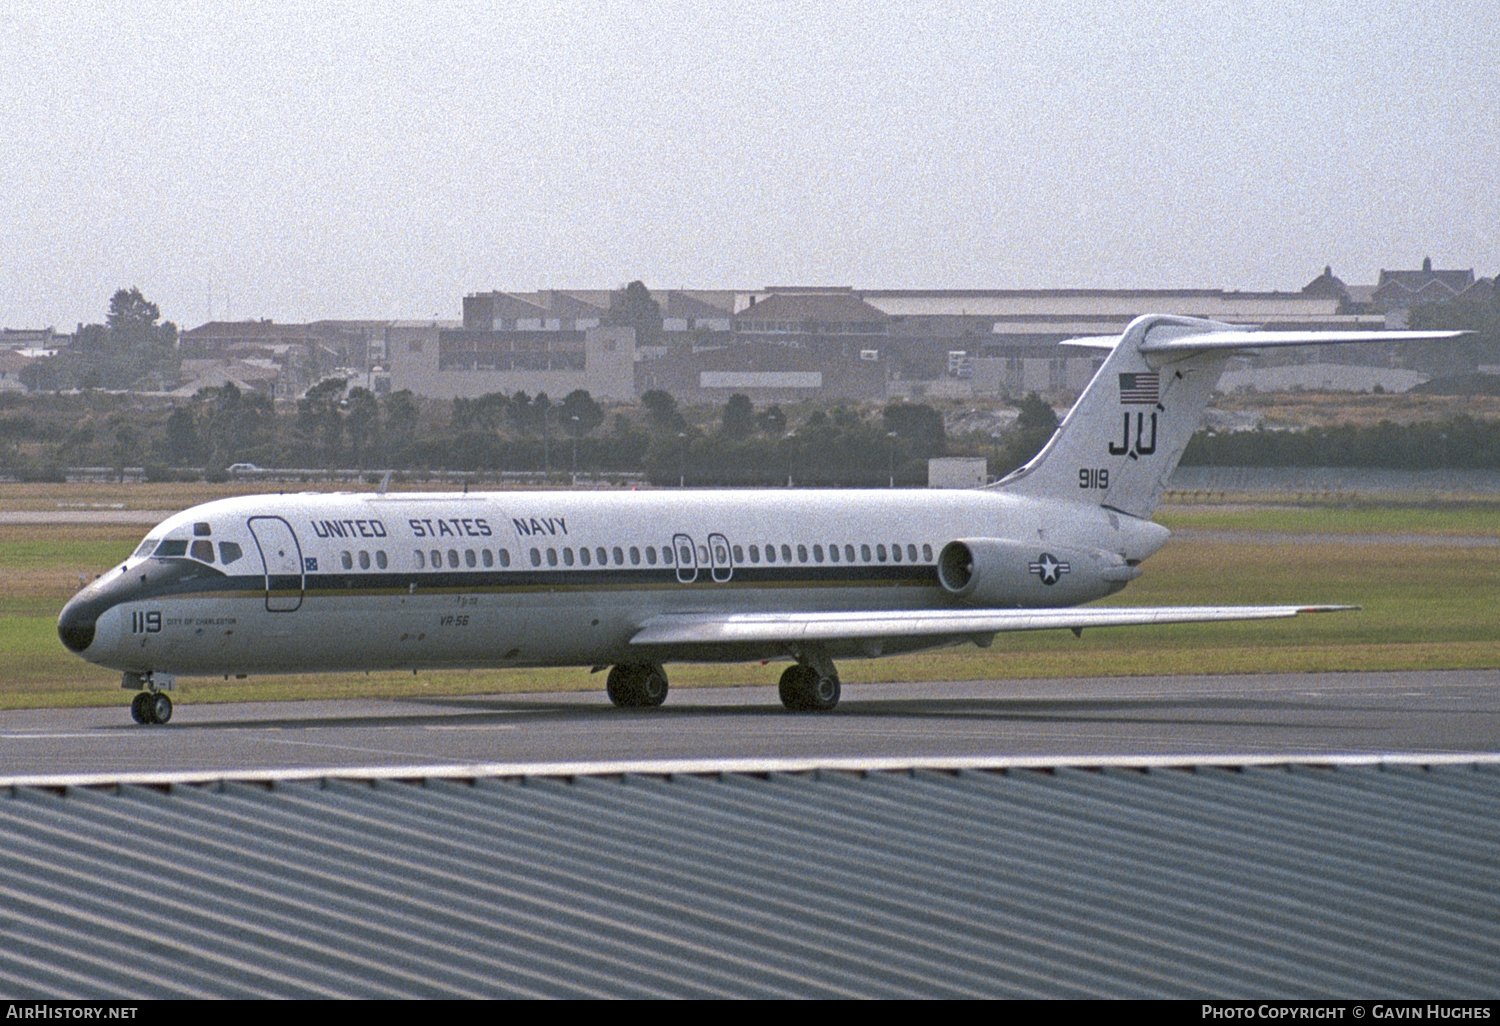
(618, 578)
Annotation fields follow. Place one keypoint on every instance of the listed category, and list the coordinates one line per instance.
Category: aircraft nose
(76, 624)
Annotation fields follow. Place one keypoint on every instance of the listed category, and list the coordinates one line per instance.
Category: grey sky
(303, 160)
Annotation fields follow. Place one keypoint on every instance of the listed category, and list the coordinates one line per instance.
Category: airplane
(632, 581)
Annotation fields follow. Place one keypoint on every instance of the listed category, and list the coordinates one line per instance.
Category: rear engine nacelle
(1002, 572)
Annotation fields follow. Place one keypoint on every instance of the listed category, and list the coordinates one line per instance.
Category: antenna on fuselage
(385, 482)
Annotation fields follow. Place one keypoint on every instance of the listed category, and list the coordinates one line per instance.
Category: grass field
(1425, 607)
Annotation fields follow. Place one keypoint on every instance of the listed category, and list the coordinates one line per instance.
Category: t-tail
(1119, 444)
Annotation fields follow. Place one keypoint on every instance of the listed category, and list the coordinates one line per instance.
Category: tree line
(1459, 442)
(335, 426)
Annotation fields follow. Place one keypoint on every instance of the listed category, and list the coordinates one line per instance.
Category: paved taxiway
(1270, 714)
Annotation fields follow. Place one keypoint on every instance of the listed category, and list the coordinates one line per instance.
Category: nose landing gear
(151, 706)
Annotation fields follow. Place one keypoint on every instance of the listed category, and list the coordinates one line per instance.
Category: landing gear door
(687, 558)
(718, 555)
(282, 558)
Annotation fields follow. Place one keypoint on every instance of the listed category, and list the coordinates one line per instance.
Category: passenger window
(229, 552)
(880, 553)
(651, 555)
(203, 550)
(505, 557)
(380, 560)
(421, 560)
(911, 553)
(453, 558)
(927, 553)
(833, 553)
(849, 553)
(437, 560)
(770, 553)
(470, 560)
(568, 554)
(347, 559)
(666, 555)
(536, 557)
(703, 554)
(685, 556)
(635, 556)
(817, 553)
(755, 553)
(721, 555)
(364, 560)
(802, 553)
(739, 554)
(583, 555)
(487, 557)
(896, 552)
(786, 553)
(864, 553)
(620, 556)
(601, 557)
(551, 556)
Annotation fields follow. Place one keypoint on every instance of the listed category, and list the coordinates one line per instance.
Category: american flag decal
(1140, 389)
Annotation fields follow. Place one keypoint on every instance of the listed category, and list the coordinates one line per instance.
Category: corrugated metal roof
(1232, 881)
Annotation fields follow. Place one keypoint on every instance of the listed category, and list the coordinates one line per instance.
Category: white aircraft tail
(1121, 441)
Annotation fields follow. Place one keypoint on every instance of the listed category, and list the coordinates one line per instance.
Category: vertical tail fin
(1121, 441)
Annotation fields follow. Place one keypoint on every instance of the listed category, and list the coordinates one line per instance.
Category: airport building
(785, 343)
(461, 363)
(790, 342)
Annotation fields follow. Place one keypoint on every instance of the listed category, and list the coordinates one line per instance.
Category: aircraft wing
(740, 628)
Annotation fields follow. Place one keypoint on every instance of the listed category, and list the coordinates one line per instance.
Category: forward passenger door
(282, 558)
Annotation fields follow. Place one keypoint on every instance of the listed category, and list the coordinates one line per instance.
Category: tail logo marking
(1049, 568)
(1141, 447)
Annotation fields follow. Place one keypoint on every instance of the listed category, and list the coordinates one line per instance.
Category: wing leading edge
(742, 628)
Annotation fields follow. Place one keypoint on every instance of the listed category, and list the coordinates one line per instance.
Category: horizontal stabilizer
(1092, 341)
(1119, 443)
(1271, 339)
(739, 628)
(1256, 339)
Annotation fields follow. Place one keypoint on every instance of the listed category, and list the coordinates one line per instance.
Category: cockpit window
(229, 552)
(171, 547)
(203, 550)
(145, 548)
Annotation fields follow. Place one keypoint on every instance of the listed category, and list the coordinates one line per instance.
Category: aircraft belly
(354, 633)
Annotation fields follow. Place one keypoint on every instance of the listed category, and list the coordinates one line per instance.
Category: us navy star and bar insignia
(1049, 568)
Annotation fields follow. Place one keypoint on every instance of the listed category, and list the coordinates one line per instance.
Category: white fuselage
(310, 582)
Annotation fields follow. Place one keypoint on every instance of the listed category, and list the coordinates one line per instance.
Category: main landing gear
(637, 685)
(151, 706)
(805, 689)
(809, 685)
